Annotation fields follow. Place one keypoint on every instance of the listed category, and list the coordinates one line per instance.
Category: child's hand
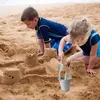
(60, 54)
(40, 53)
(90, 71)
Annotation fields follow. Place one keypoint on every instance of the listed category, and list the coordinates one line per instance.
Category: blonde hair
(80, 27)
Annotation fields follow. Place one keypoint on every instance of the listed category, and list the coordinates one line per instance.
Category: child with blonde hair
(88, 39)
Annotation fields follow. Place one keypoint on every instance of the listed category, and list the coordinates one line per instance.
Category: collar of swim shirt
(37, 27)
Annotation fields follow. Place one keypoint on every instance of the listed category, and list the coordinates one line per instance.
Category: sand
(39, 75)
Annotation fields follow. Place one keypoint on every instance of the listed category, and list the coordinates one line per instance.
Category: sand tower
(31, 60)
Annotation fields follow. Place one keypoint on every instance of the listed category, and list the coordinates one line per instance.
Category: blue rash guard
(52, 32)
(93, 39)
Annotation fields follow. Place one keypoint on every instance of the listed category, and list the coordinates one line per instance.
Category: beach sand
(39, 80)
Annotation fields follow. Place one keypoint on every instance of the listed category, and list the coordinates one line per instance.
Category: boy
(49, 33)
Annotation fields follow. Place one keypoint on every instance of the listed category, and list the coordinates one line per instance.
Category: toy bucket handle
(60, 67)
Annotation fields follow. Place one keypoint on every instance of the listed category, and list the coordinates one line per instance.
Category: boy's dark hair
(29, 14)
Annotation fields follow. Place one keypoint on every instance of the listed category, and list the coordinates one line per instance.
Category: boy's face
(31, 24)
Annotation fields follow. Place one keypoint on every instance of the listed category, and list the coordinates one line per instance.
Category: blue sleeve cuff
(47, 41)
(95, 39)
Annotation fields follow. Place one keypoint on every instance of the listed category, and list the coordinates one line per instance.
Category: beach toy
(60, 67)
(64, 81)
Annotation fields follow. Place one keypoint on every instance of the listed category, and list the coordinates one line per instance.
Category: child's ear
(36, 19)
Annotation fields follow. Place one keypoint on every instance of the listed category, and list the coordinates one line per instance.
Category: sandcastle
(10, 76)
(31, 60)
(50, 52)
(48, 55)
(52, 66)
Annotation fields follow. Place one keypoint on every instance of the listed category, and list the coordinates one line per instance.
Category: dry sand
(39, 77)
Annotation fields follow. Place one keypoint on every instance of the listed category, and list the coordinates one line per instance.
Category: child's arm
(41, 44)
(61, 46)
(47, 45)
(92, 59)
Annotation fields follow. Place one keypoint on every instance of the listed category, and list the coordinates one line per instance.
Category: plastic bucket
(65, 84)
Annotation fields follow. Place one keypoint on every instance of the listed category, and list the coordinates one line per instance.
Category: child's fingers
(91, 72)
(60, 59)
(40, 54)
(60, 56)
(67, 69)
